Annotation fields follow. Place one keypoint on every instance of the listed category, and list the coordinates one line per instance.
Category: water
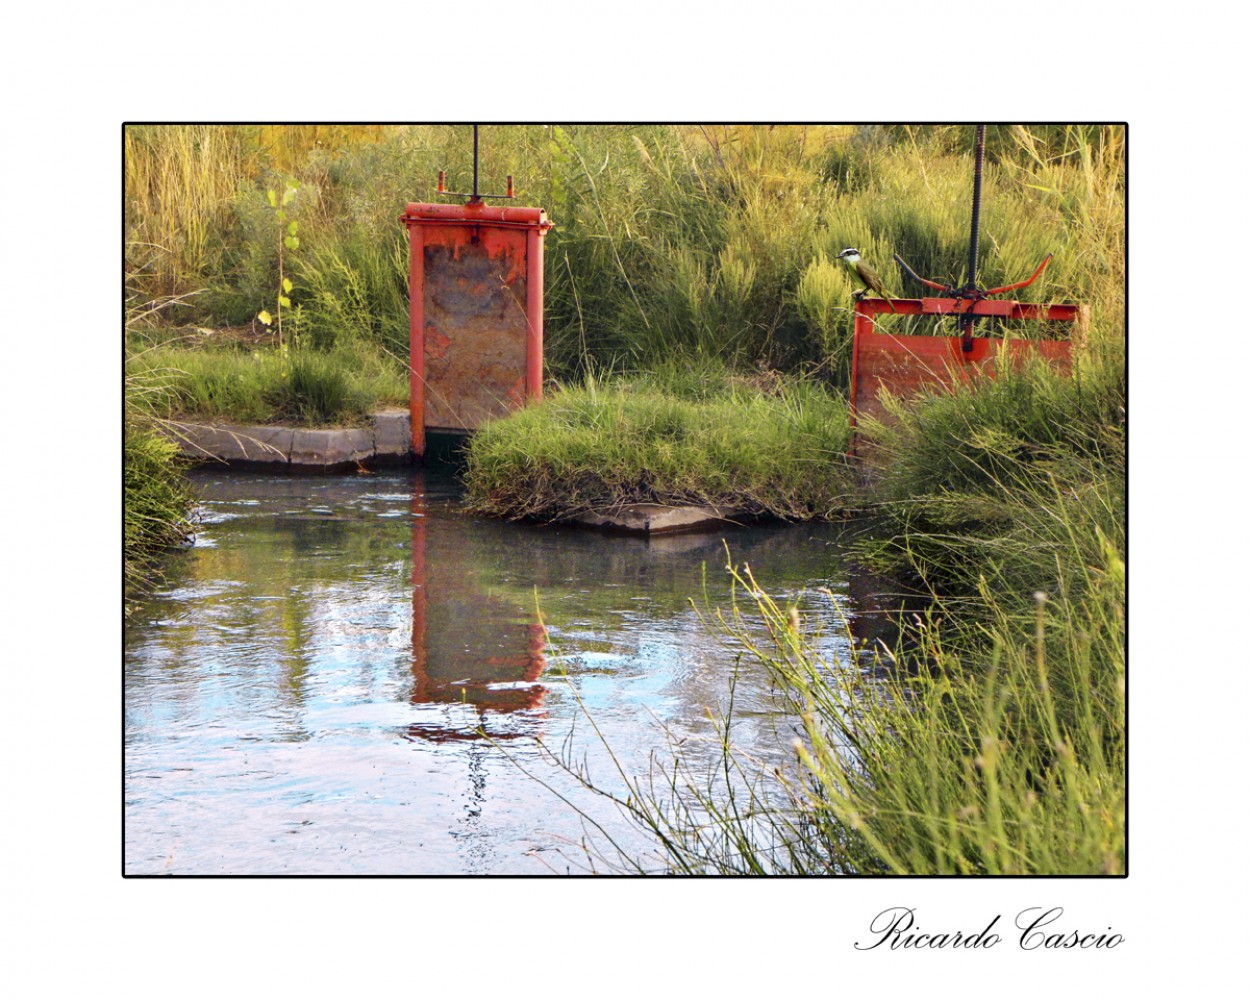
(308, 692)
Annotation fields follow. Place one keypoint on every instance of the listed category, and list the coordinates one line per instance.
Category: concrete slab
(268, 445)
(658, 519)
(331, 448)
(392, 435)
(297, 449)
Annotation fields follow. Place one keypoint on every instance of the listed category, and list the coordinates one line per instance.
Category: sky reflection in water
(305, 695)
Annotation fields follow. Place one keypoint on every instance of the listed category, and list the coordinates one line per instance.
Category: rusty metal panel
(908, 365)
(905, 365)
(476, 329)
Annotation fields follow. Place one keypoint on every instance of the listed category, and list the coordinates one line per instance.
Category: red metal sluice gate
(907, 364)
(475, 314)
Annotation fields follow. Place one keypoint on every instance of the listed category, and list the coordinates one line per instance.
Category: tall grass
(717, 240)
(179, 182)
(989, 481)
(992, 744)
(356, 290)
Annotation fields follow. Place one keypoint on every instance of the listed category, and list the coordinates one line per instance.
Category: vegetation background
(716, 240)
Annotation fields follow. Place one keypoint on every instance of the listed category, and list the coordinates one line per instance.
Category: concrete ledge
(657, 519)
(386, 441)
(392, 434)
(332, 449)
(230, 443)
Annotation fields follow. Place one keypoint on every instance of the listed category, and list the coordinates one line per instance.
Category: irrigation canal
(348, 675)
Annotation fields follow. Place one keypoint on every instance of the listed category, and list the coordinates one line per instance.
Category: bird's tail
(889, 301)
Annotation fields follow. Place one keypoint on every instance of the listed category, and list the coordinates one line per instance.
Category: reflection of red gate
(904, 365)
(477, 650)
(475, 313)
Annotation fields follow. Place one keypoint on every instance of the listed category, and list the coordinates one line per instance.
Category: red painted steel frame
(497, 229)
(905, 363)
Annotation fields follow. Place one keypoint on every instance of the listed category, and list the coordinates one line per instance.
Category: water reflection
(469, 646)
(309, 692)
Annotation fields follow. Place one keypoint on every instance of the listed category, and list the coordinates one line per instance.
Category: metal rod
(1022, 284)
(924, 281)
(989, 291)
(975, 242)
(475, 194)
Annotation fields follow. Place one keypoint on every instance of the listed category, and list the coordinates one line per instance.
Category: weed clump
(156, 498)
(596, 446)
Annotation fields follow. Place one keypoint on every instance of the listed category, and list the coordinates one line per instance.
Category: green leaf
(281, 215)
(273, 198)
(286, 285)
(284, 302)
(292, 242)
(287, 195)
(293, 226)
(264, 317)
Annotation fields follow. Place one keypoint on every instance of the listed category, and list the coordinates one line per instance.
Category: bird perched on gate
(869, 277)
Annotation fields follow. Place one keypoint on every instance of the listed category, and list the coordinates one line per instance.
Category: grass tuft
(253, 386)
(724, 442)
